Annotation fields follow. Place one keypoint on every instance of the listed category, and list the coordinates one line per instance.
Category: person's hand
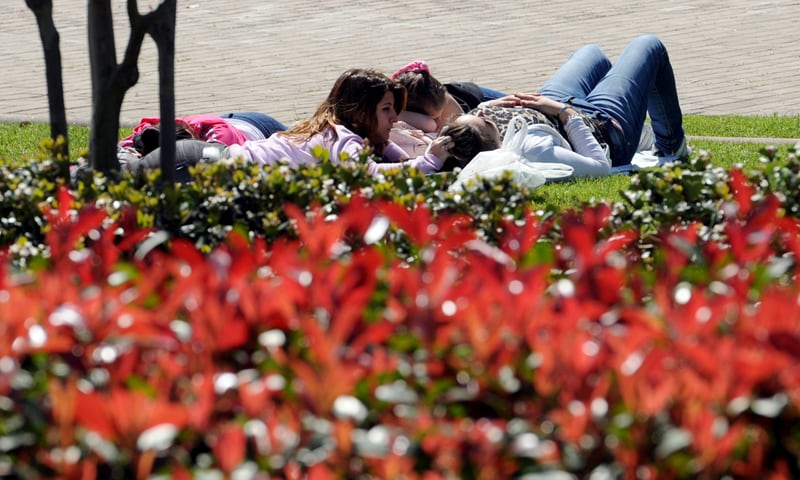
(507, 101)
(441, 146)
(539, 102)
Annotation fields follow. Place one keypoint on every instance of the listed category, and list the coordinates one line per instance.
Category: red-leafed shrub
(563, 347)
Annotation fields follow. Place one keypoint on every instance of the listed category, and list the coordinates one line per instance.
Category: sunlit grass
(747, 127)
(19, 143)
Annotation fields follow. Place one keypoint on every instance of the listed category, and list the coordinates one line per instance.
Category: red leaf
(742, 191)
(92, 412)
(320, 471)
(229, 447)
(521, 236)
(413, 223)
(123, 415)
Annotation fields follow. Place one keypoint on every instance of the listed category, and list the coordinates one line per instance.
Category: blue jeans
(640, 82)
(266, 124)
(489, 94)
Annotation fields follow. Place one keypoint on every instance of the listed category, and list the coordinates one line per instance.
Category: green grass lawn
(725, 154)
(750, 127)
(19, 143)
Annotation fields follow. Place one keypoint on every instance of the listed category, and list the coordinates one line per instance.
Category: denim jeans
(266, 124)
(640, 82)
(489, 94)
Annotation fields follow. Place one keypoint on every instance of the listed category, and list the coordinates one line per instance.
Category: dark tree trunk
(106, 97)
(43, 10)
(162, 29)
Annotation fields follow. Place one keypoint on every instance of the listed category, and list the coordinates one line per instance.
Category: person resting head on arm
(417, 125)
(428, 108)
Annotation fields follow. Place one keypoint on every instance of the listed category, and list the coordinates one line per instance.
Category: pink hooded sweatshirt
(206, 126)
(341, 143)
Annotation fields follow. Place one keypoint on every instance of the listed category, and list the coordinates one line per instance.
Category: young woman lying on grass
(357, 116)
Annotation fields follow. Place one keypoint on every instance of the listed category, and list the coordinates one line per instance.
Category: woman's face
(386, 116)
(483, 125)
(436, 115)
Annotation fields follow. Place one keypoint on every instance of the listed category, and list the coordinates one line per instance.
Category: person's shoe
(647, 139)
(681, 153)
(654, 158)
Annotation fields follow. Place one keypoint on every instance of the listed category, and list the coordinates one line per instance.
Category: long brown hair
(352, 103)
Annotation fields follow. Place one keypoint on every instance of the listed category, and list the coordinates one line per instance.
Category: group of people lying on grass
(590, 115)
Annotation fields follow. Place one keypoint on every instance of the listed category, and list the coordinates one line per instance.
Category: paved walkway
(281, 58)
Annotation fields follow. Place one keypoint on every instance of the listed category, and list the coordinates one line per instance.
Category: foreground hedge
(250, 199)
(385, 339)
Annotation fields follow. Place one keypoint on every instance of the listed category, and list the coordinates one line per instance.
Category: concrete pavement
(281, 58)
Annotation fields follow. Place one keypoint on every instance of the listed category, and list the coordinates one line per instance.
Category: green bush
(323, 323)
(697, 191)
(250, 198)
(326, 354)
(245, 197)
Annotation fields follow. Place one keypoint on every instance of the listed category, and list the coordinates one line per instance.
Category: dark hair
(353, 103)
(468, 141)
(425, 92)
(149, 138)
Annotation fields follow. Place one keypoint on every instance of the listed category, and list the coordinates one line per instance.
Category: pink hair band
(416, 66)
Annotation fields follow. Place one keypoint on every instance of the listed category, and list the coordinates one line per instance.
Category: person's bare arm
(418, 120)
(451, 110)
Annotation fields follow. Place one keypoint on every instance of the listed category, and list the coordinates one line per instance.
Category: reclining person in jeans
(590, 114)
